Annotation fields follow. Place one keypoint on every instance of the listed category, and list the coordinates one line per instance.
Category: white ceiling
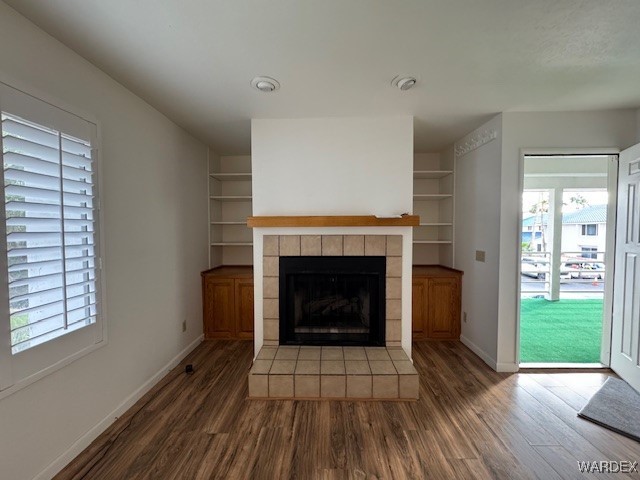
(193, 59)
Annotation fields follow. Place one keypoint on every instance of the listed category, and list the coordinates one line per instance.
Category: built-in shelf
(427, 242)
(334, 221)
(231, 198)
(433, 200)
(431, 196)
(230, 203)
(431, 174)
(232, 244)
(231, 176)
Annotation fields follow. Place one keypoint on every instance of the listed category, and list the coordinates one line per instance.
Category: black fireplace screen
(332, 300)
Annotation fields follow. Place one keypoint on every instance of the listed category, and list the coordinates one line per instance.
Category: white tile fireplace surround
(393, 243)
(276, 246)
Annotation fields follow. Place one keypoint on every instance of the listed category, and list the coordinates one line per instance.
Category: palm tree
(541, 208)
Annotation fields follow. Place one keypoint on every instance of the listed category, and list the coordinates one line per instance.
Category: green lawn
(566, 331)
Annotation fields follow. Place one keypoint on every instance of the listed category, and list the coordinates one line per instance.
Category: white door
(625, 333)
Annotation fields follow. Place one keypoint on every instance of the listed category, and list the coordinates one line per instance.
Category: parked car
(570, 269)
(577, 268)
(533, 267)
(594, 271)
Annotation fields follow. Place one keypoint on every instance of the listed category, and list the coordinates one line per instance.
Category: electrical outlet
(464, 317)
(184, 325)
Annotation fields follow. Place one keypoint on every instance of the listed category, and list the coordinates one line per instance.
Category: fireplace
(329, 248)
(332, 300)
(329, 316)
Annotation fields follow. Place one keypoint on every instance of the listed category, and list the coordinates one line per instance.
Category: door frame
(612, 184)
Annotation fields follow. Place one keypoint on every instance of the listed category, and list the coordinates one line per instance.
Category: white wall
(488, 205)
(332, 166)
(155, 214)
(477, 219)
(542, 130)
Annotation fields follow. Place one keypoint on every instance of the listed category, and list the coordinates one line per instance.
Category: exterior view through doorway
(567, 234)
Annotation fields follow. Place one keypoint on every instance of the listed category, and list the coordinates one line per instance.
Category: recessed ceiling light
(265, 84)
(403, 83)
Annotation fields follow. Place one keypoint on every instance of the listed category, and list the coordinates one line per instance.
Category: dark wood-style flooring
(470, 422)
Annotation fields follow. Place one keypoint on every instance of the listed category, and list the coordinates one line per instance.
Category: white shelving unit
(230, 240)
(230, 176)
(427, 197)
(433, 200)
(431, 174)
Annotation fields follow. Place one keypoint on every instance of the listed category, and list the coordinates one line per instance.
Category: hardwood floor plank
(593, 379)
(527, 457)
(563, 461)
(427, 455)
(565, 435)
(569, 396)
(609, 444)
(374, 460)
(470, 422)
(585, 391)
(470, 468)
(495, 454)
(214, 462)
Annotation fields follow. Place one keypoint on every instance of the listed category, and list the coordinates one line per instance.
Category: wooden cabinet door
(443, 312)
(418, 308)
(219, 312)
(244, 307)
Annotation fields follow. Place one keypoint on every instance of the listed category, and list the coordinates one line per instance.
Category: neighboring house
(584, 231)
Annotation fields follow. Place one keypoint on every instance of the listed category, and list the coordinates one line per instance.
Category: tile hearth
(307, 372)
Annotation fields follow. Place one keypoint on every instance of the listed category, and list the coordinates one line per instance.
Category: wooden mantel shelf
(334, 221)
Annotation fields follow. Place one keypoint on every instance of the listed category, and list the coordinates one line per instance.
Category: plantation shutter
(50, 220)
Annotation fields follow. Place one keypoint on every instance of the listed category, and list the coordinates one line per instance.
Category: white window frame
(23, 368)
(589, 250)
(585, 230)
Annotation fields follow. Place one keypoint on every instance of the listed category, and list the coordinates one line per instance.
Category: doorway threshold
(562, 366)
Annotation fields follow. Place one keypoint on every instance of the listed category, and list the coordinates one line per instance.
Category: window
(589, 252)
(590, 230)
(51, 280)
(49, 232)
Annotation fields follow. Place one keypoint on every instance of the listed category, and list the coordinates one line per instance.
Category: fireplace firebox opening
(332, 300)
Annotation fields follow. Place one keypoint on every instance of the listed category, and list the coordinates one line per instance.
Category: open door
(625, 333)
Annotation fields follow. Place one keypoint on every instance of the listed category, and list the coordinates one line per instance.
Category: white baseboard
(486, 358)
(83, 442)
(507, 367)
